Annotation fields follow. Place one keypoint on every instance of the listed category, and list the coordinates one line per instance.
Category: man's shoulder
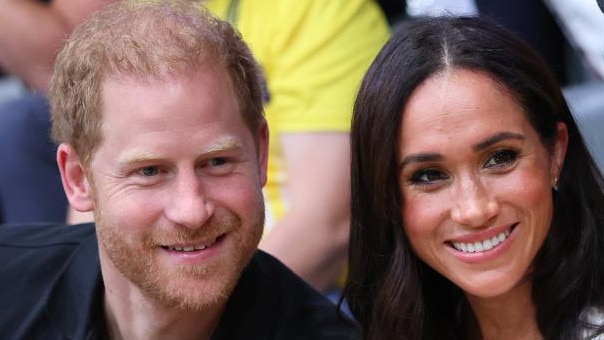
(271, 302)
(304, 312)
(40, 235)
(291, 289)
(26, 248)
(49, 274)
(37, 251)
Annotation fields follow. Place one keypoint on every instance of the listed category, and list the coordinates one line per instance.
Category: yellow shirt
(314, 54)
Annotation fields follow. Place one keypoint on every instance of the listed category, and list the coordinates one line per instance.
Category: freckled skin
(177, 166)
(474, 190)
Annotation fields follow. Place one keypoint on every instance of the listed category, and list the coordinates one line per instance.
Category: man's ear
(75, 182)
(263, 141)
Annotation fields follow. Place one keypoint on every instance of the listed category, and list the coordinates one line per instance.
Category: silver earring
(555, 186)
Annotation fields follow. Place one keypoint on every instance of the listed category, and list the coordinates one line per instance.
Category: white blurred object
(583, 24)
(417, 8)
(11, 88)
(587, 105)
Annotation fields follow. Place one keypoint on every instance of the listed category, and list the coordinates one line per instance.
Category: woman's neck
(511, 316)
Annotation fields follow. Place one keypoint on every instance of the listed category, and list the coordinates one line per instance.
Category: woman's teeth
(477, 247)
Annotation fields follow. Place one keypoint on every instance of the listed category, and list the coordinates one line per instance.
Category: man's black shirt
(51, 288)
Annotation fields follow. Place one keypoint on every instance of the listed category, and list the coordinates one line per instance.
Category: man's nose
(189, 204)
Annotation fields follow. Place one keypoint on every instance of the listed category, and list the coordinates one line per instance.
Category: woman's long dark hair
(391, 292)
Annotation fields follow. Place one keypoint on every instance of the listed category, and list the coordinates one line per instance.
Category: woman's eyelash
(427, 176)
(498, 159)
(501, 158)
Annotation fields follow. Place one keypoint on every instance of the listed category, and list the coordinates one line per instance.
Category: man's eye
(501, 159)
(428, 176)
(218, 161)
(148, 171)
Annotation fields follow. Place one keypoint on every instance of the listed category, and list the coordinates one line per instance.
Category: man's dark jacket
(51, 288)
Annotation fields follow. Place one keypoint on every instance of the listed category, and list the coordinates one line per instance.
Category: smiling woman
(476, 206)
(490, 178)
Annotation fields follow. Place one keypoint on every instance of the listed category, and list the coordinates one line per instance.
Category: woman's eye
(428, 176)
(501, 159)
(149, 171)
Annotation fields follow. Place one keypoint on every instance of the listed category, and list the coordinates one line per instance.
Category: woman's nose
(474, 204)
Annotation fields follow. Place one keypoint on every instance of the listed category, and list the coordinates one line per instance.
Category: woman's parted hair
(391, 292)
(152, 39)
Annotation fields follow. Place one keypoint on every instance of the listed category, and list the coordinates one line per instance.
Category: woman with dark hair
(477, 210)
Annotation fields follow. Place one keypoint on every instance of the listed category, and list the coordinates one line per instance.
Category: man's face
(177, 187)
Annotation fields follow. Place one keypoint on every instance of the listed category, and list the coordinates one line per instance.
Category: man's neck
(131, 315)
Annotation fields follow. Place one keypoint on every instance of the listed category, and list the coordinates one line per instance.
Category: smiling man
(157, 107)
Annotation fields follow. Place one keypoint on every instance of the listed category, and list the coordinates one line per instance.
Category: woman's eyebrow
(419, 158)
(496, 139)
(434, 157)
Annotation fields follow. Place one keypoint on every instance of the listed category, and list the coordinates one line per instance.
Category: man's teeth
(481, 246)
(189, 248)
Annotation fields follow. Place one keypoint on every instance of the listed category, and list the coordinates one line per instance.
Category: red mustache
(182, 235)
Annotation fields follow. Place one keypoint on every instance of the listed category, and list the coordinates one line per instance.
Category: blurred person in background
(31, 33)
(157, 107)
(313, 55)
(582, 23)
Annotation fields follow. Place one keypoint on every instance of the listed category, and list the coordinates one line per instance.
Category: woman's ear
(75, 182)
(559, 150)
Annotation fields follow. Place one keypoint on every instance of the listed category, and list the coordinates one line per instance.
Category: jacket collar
(76, 301)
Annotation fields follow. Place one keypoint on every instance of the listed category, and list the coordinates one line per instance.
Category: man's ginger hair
(146, 40)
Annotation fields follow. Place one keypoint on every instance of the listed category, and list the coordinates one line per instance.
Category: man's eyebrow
(142, 156)
(496, 139)
(226, 143)
(138, 157)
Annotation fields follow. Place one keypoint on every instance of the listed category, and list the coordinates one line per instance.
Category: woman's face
(476, 182)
